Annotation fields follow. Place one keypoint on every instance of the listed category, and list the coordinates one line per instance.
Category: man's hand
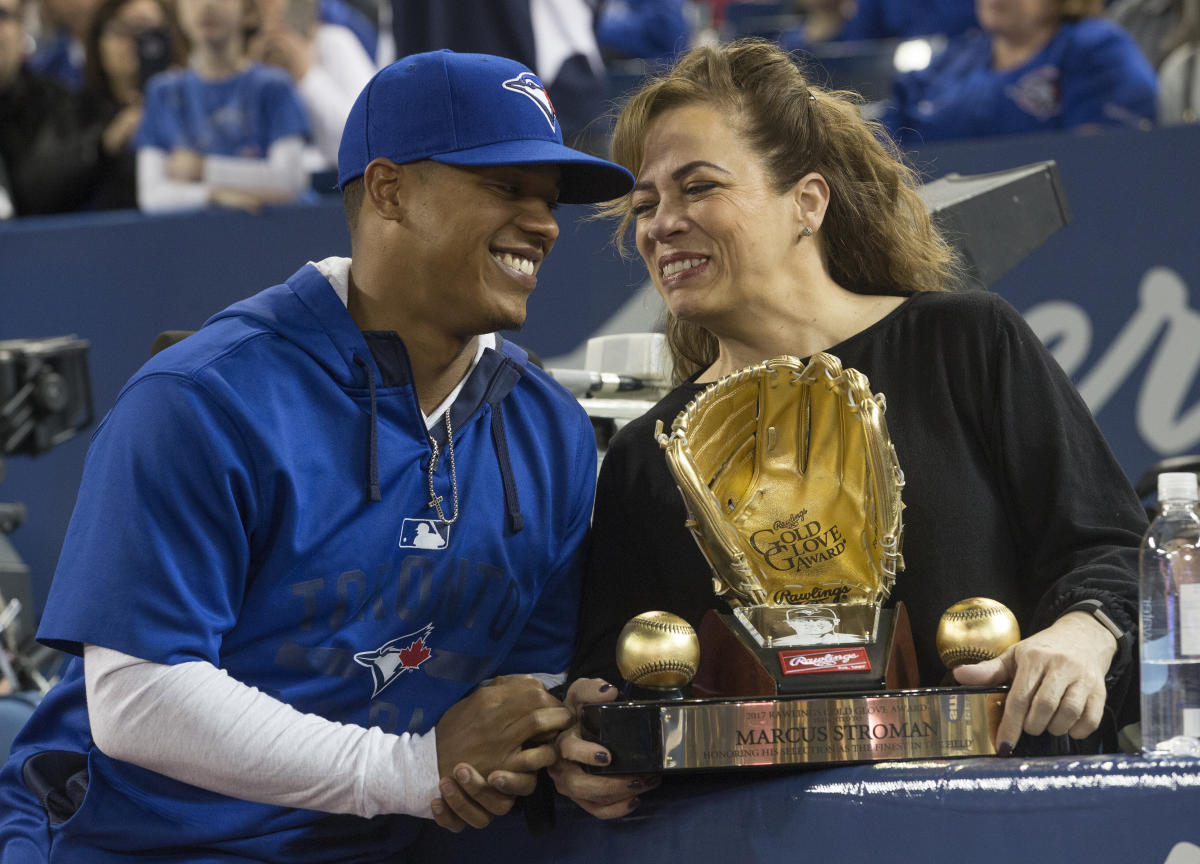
(470, 799)
(1057, 680)
(604, 796)
(490, 747)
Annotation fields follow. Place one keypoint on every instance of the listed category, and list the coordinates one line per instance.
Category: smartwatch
(1096, 609)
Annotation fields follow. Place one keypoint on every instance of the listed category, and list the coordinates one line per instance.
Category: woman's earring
(806, 232)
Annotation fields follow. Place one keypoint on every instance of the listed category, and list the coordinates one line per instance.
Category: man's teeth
(679, 266)
(516, 262)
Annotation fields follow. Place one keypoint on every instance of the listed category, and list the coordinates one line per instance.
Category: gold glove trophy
(793, 491)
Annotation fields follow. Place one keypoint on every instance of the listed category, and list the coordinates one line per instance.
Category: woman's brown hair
(94, 75)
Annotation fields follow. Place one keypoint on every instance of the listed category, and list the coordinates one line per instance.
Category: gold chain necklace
(435, 500)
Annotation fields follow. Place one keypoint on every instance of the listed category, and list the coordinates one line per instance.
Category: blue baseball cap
(468, 109)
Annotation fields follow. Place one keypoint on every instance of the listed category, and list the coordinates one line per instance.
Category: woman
(127, 41)
(1036, 66)
(773, 221)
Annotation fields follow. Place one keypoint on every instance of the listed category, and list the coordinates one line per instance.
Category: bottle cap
(1177, 487)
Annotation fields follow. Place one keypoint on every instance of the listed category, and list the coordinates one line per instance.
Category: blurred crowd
(176, 104)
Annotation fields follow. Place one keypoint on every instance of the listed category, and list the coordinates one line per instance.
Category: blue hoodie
(258, 498)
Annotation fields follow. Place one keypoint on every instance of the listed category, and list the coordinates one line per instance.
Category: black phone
(153, 53)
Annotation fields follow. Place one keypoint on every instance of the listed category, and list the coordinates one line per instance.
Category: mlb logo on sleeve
(424, 534)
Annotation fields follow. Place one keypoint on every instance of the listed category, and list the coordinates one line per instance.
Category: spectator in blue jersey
(651, 30)
(225, 130)
(861, 20)
(908, 19)
(1036, 66)
(276, 660)
(60, 49)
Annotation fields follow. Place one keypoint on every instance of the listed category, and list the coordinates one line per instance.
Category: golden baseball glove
(791, 484)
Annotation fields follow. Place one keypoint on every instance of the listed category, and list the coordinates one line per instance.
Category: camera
(45, 399)
(45, 393)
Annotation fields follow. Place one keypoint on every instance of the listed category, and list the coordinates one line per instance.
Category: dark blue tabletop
(1093, 809)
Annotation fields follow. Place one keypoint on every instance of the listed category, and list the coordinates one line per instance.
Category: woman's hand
(119, 132)
(283, 47)
(1057, 680)
(605, 796)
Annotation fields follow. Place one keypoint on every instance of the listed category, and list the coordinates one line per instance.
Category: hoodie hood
(307, 311)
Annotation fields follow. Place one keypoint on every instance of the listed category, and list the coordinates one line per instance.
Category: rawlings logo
(794, 595)
(823, 660)
(392, 659)
(791, 522)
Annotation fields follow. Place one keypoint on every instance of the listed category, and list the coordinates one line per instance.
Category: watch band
(1125, 639)
(1096, 609)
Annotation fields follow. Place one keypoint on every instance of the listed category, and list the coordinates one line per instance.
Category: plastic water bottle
(1170, 622)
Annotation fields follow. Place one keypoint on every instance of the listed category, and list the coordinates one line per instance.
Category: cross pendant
(435, 501)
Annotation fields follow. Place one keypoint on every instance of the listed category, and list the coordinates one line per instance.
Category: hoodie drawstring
(512, 506)
(373, 435)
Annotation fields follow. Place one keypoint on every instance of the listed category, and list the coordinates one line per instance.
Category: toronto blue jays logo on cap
(528, 85)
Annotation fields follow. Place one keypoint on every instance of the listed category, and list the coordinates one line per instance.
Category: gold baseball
(658, 649)
(974, 630)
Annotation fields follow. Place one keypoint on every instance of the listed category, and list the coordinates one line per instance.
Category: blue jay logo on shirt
(1038, 92)
(424, 534)
(529, 86)
(392, 659)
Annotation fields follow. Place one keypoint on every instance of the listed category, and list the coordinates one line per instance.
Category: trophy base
(734, 663)
(835, 728)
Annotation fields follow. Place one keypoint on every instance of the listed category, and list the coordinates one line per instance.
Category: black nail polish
(604, 688)
(1004, 749)
(601, 757)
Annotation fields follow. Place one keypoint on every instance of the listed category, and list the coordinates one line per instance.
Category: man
(60, 51)
(49, 158)
(270, 658)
